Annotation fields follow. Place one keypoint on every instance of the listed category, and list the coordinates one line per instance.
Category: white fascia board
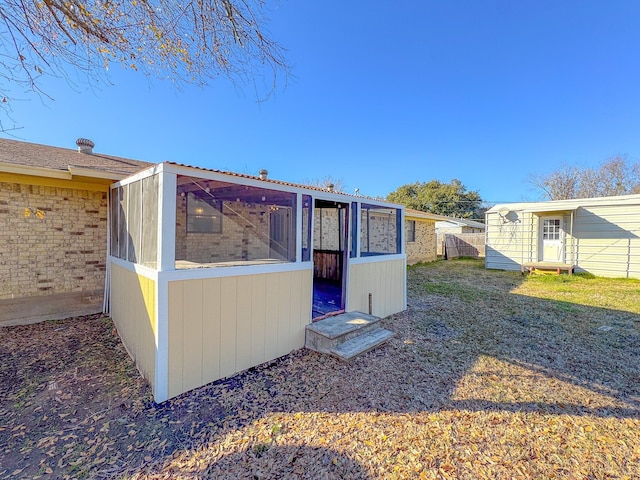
(221, 272)
(34, 171)
(89, 172)
(148, 172)
(148, 272)
(378, 258)
(255, 182)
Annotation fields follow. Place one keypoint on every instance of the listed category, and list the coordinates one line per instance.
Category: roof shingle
(35, 155)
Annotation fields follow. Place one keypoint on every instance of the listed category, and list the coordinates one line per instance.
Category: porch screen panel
(149, 254)
(257, 225)
(114, 206)
(123, 197)
(380, 231)
(134, 220)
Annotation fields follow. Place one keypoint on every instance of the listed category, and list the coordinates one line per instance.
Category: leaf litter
(480, 382)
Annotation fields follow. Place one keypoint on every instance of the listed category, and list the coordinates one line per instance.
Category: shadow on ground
(73, 404)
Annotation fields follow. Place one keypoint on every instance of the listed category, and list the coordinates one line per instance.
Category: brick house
(53, 240)
(420, 243)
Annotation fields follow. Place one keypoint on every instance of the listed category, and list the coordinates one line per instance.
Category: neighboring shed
(459, 225)
(595, 235)
(53, 240)
(420, 234)
(214, 272)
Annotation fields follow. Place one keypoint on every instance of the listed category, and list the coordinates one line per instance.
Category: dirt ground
(482, 380)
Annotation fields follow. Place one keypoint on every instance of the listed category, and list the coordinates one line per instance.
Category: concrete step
(361, 344)
(326, 334)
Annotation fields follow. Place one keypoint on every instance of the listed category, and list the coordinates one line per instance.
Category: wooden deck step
(361, 344)
(334, 335)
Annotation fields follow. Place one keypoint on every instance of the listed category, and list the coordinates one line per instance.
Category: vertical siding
(218, 327)
(133, 300)
(385, 280)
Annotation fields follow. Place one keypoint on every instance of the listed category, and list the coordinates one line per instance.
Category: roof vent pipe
(330, 187)
(263, 174)
(85, 145)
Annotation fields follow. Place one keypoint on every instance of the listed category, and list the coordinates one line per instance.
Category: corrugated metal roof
(566, 205)
(276, 182)
(55, 158)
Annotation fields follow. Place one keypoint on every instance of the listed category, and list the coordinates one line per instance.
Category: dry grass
(491, 375)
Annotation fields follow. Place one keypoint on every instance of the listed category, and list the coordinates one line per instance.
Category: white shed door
(551, 247)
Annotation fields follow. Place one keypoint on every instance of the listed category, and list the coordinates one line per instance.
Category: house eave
(35, 171)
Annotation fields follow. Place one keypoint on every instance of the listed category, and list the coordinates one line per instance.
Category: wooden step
(361, 344)
(324, 335)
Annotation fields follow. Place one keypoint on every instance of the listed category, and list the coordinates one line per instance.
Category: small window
(411, 230)
(551, 229)
(204, 213)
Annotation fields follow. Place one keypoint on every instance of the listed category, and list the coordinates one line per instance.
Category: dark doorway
(330, 253)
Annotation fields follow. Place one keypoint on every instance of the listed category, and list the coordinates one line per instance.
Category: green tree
(191, 41)
(451, 199)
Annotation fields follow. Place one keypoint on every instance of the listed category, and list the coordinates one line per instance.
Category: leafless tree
(616, 176)
(324, 182)
(190, 41)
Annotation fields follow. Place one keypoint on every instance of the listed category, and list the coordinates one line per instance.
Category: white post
(167, 191)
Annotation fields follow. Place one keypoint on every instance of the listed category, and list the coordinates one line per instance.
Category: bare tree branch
(194, 41)
(616, 176)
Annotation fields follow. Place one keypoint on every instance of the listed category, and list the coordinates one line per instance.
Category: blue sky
(388, 93)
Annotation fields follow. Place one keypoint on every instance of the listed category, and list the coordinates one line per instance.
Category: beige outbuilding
(595, 235)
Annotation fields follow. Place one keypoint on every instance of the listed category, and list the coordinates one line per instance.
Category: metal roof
(566, 205)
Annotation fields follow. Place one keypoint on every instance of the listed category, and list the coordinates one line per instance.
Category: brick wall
(245, 235)
(381, 234)
(326, 229)
(424, 247)
(52, 240)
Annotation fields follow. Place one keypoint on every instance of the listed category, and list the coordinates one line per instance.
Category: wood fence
(452, 245)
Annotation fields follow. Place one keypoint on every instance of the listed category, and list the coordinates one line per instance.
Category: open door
(551, 239)
(330, 254)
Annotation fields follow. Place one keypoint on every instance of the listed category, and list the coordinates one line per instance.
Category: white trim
(161, 391)
(272, 185)
(34, 171)
(106, 298)
(378, 258)
(147, 172)
(167, 191)
(143, 270)
(403, 233)
(221, 272)
(90, 172)
(404, 280)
